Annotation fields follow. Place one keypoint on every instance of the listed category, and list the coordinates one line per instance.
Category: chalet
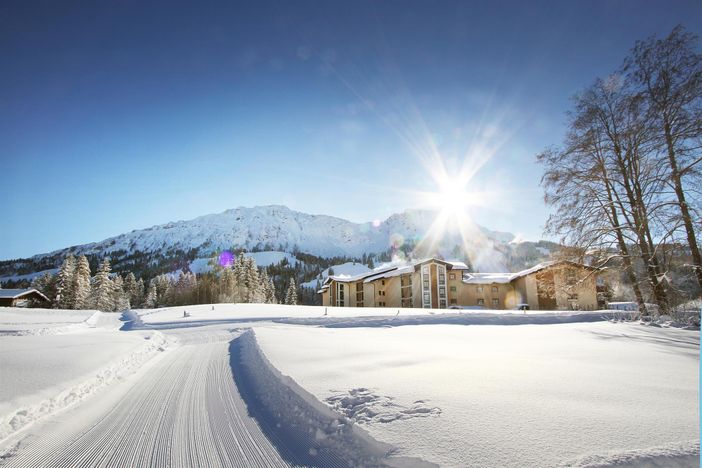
(439, 284)
(21, 297)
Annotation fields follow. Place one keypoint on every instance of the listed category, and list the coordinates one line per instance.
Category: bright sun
(452, 197)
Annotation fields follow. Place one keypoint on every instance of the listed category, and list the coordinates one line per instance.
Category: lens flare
(226, 259)
(396, 241)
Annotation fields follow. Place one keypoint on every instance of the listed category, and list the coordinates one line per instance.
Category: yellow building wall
(468, 295)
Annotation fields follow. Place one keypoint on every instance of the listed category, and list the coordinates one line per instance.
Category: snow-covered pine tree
(102, 295)
(267, 294)
(65, 298)
(46, 284)
(151, 299)
(130, 288)
(139, 294)
(184, 289)
(291, 294)
(241, 293)
(120, 298)
(227, 286)
(251, 280)
(81, 284)
(270, 292)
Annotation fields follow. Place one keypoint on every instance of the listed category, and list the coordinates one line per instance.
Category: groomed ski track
(183, 411)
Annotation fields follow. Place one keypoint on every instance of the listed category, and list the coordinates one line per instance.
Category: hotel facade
(438, 284)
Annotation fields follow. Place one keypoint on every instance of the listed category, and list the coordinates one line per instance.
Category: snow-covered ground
(53, 359)
(530, 395)
(236, 312)
(338, 317)
(338, 386)
(20, 321)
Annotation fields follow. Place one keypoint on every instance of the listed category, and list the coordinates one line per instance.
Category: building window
(359, 294)
(406, 290)
(452, 276)
(573, 297)
(481, 301)
(441, 269)
(454, 301)
(495, 302)
(382, 282)
(452, 288)
(426, 288)
(570, 276)
(495, 289)
(479, 289)
(340, 294)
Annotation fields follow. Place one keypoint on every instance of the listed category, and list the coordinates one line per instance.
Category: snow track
(183, 410)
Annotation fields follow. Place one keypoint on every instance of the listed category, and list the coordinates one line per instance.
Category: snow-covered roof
(15, 293)
(391, 270)
(458, 265)
(487, 278)
(543, 265)
(533, 269)
(357, 277)
(397, 271)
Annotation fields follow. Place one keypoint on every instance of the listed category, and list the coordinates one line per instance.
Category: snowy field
(531, 395)
(19, 321)
(338, 386)
(341, 316)
(235, 312)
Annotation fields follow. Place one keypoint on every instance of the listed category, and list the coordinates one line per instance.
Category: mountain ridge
(277, 227)
(393, 221)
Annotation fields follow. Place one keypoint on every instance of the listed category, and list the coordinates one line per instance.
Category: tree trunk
(628, 267)
(641, 228)
(684, 210)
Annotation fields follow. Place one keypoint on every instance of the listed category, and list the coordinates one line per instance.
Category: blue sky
(118, 117)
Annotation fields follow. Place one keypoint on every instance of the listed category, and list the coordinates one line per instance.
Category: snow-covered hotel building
(439, 284)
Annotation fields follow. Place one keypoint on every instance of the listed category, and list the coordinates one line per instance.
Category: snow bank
(462, 318)
(677, 455)
(45, 374)
(292, 417)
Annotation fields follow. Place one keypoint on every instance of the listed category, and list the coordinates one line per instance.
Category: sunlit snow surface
(456, 388)
(528, 395)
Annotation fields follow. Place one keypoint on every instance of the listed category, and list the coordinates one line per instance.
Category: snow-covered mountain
(275, 227)
(267, 228)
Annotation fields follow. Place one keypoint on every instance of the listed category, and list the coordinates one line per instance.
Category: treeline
(73, 287)
(625, 184)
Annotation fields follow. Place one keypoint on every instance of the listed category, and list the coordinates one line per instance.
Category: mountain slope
(266, 228)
